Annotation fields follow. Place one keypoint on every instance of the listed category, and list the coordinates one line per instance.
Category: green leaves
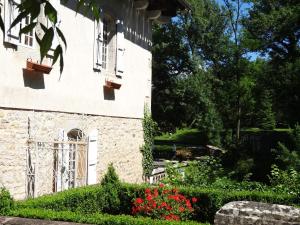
(61, 35)
(19, 18)
(61, 63)
(58, 51)
(149, 129)
(28, 28)
(46, 42)
(1, 21)
(51, 12)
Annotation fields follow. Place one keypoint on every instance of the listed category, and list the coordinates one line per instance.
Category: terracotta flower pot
(38, 67)
(113, 85)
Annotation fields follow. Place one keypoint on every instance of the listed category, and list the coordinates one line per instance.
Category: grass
(256, 129)
(182, 136)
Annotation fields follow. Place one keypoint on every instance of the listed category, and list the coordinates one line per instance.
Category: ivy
(148, 127)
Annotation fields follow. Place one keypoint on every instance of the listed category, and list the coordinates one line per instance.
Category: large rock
(257, 213)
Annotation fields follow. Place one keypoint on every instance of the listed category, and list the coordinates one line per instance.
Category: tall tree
(273, 28)
(234, 11)
(183, 51)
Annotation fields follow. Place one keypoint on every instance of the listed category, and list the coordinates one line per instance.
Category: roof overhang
(162, 10)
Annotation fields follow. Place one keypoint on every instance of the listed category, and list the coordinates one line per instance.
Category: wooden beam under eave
(141, 4)
(153, 14)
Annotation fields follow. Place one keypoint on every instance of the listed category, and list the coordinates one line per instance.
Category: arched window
(77, 159)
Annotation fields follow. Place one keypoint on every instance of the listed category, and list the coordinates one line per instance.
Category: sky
(245, 7)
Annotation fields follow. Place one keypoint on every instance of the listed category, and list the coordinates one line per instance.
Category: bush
(286, 181)
(202, 173)
(96, 218)
(110, 192)
(163, 203)
(6, 201)
(210, 200)
(163, 151)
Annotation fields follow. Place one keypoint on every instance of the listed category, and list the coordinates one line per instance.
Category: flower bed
(164, 203)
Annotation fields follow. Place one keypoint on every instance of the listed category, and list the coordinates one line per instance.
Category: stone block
(257, 213)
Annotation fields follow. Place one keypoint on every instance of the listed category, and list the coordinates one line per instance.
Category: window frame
(22, 38)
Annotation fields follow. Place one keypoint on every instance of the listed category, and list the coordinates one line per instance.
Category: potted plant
(38, 67)
(112, 84)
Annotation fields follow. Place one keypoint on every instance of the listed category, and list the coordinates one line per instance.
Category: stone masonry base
(119, 142)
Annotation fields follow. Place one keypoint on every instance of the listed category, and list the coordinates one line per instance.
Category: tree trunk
(238, 122)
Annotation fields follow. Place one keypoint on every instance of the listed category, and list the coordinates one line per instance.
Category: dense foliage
(95, 218)
(85, 200)
(218, 62)
(149, 127)
(164, 203)
(110, 192)
(6, 201)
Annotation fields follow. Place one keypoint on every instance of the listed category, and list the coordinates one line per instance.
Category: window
(10, 14)
(27, 39)
(109, 46)
(12, 35)
(104, 44)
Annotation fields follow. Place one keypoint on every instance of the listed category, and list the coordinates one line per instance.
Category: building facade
(59, 131)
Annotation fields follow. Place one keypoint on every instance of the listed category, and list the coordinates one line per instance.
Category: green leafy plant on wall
(149, 129)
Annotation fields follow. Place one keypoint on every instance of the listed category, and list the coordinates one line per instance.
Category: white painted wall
(80, 89)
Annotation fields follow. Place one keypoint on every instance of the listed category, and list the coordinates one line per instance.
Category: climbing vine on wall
(149, 128)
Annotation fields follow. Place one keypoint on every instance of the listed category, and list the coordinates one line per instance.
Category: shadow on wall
(33, 79)
(137, 28)
(108, 93)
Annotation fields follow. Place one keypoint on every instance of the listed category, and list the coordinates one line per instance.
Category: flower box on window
(112, 84)
(38, 67)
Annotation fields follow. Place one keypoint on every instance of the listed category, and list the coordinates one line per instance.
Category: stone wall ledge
(257, 213)
(24, 221)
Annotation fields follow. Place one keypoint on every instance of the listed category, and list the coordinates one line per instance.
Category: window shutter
(92, 157)
(120, 62)
(11, 13)
(98, 44)
(63, 161)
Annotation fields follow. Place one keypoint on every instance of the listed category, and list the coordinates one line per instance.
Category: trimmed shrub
(110, 191)
(96, 218)
(6, 201)
(87, 199)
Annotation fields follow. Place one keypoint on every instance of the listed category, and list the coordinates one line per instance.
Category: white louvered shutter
(98, 43)
(59, 173)
(10, 14)
(63, 162)
(120, 61)
(92, 157)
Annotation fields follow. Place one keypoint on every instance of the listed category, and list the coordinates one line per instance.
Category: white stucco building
(59, 131)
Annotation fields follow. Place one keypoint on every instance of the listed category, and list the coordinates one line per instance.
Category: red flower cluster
(162, 203)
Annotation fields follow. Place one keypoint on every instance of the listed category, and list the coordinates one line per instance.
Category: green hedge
(211, 200)
(95, 218)
(86, 200)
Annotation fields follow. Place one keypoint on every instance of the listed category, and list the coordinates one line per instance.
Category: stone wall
(119, 142)
(258, 213)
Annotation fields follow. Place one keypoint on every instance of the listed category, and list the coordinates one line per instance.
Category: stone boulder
(257, 213)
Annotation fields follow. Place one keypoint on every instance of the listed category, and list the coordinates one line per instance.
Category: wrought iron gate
(54, 166)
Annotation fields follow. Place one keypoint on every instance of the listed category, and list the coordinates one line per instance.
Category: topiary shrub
(110, 192)
(6, 201)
